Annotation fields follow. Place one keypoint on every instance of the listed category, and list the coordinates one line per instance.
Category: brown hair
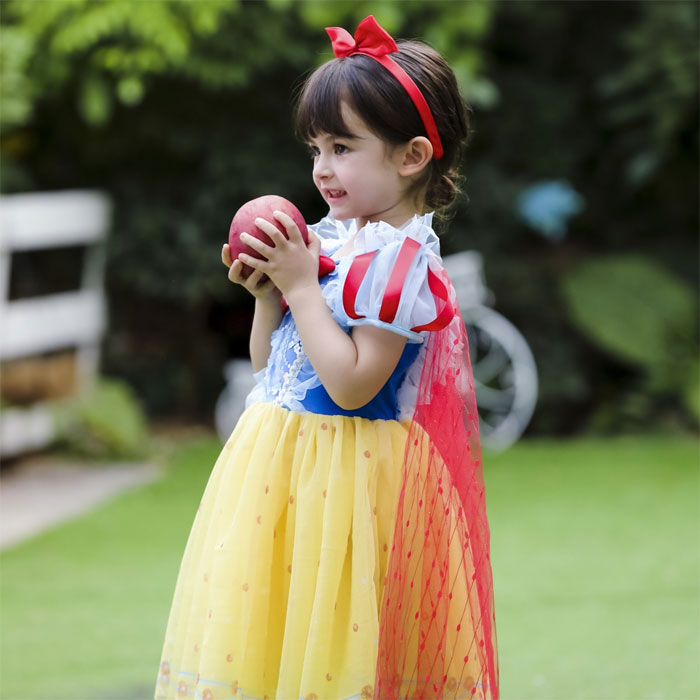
(384, 105)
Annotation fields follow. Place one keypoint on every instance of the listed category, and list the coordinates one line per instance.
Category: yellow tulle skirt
(281, 581)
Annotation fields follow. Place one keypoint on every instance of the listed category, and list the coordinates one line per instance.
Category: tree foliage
(114, 49)
(651, 97)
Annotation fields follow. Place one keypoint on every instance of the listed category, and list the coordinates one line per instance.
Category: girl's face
(361, 177)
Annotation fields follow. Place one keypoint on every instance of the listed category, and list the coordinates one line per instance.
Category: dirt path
(38, 493)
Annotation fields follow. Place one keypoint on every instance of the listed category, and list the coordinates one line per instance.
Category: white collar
(375, 234)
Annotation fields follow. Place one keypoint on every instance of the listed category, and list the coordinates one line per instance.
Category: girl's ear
(415, 155)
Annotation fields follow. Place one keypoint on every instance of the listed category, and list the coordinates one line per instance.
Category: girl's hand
(290, 263)
(265, 291)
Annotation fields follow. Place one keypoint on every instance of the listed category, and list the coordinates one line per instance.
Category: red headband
(375, 42)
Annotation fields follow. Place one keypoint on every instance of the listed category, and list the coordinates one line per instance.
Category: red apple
(244, 221)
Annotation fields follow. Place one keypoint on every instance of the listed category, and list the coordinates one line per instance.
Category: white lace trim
(376, 234)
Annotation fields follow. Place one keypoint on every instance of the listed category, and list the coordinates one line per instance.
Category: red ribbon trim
(356, 274)
(392, 294)
(447, 313)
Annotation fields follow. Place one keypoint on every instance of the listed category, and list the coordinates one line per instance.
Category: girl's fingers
(252, 283)
(289, 224)
(234, 271)
(256, 244)
(255, 263)
(226, 255)
(271, 230)
(253, 279)
(314, 243)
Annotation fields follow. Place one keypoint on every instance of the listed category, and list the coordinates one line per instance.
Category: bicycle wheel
(505, 376)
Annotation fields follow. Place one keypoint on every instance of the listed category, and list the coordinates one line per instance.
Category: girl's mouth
(335, 194)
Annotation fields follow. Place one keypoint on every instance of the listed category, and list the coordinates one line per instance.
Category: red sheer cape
(437, 635)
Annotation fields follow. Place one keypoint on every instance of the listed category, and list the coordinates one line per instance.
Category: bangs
(319, 104)
(368, 89)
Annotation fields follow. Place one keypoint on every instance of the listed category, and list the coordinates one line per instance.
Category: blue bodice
(384, 405)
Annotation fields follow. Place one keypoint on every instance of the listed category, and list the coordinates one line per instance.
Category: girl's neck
(399, 213)
(396, 222)
(395, 216)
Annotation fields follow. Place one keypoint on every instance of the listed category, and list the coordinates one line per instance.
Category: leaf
(130, 91)
(631, 307)
(16, 87)
(95, 100)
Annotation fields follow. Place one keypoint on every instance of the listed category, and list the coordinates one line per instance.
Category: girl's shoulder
(388, 279)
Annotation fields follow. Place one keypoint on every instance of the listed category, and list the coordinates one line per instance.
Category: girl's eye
(338, 149)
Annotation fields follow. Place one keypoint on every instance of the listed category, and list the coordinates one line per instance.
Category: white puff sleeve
(379, 271)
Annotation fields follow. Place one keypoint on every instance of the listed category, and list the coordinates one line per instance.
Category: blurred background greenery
(181, 111)
(581, 181)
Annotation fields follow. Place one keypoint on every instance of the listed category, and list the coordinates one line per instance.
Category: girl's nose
(321, 166)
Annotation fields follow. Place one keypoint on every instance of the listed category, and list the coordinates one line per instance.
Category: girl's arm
(268, 311)
(267, 318)
(351, 368)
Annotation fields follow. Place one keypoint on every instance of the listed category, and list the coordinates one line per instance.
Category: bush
(106, 423)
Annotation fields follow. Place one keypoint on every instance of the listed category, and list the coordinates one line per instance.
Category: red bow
(370, 39)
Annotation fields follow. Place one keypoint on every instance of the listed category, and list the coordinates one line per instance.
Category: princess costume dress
(343, 554)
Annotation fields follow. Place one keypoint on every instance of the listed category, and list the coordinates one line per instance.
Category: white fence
(66, 320)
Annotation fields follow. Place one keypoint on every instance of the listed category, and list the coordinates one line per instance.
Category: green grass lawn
(595, 549)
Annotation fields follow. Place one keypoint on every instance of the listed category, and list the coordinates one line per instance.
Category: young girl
(341, 547)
